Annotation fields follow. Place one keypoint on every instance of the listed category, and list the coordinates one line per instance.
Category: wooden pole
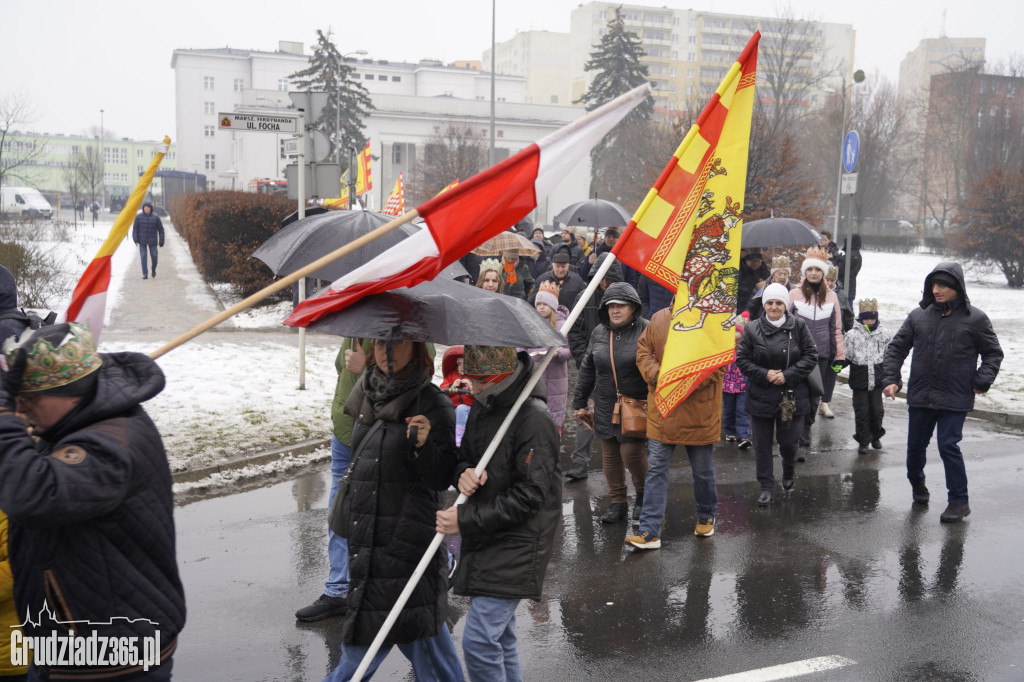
(285, 282)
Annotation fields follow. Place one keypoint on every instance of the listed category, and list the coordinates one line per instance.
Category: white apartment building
(689, 51)
(934, 56)
(413, 102)
(542, 58)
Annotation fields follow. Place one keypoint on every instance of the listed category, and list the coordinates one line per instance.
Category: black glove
(12, 378)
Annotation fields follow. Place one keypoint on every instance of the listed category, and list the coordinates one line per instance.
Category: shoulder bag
(629, 413)
(336, 517)
(787, 400)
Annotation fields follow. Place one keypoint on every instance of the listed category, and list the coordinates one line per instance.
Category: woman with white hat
(776, 353)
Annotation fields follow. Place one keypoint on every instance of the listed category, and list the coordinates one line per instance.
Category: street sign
(292, 146)
(259, 123)
(851, 150)
(312, 102)
(848, 183)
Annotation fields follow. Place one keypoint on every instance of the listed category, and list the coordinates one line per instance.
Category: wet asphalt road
(843, 567)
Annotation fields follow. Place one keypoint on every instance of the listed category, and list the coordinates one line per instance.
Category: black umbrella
(771, 232)
(444, 311)
(302, 242)
(594, 213)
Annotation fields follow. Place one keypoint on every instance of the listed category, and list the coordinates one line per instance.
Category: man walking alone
(147, 233)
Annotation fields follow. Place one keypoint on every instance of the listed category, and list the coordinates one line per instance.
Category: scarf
(381, 389)
(487, 395)
(510, 272)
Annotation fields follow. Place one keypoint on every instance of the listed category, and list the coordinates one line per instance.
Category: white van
(24, 202)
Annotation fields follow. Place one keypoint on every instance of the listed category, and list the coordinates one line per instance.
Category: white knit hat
(816, 257)
(544, 296)
(775, 292)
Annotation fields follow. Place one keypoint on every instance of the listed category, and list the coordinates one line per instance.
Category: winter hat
(612, 232)
(743, 320)
(753, 254)
(490, 363)
(816, 257)
(561, 254)
(548, 293)
(945, 279)
(781, 264)
(58, 358)
(775, 292)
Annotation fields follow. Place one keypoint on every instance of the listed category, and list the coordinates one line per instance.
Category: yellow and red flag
(396, 202)
(89, 300)
(450, 185)
(686, 234)
(364, 172)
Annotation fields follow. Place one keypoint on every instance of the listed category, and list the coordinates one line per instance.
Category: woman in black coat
(776, 354)
(403, 455)
(620, 328)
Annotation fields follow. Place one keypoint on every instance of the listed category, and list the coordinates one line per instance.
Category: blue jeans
(735, 418)
(489, 640)
(152, 253)
(581, 447)
(949, 430)
(337, 547)
(433, 659)
(659, 460)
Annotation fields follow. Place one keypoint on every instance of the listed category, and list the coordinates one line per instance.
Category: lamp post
(103, 161)
(858, 77)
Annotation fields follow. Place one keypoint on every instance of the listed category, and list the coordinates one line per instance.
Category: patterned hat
(816, 257)
(548, 293)
(868, 305)
(490, 363)
(832, 272)
(780, 264)
(56, 356)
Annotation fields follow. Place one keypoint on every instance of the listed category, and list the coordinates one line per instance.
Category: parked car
(24, 202)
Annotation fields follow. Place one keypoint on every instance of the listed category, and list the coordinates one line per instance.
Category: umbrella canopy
(594, 213)
(771, 232)
(302, 242)
(444, 311)
(507, 241)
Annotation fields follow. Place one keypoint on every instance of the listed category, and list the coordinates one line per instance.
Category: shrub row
(223, 228)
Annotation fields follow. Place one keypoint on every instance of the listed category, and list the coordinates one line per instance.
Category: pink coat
(824, 322)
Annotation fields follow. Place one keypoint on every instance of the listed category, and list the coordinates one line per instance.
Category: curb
(301, 448)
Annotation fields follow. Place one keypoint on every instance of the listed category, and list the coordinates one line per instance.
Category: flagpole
(285, 282)
(421, 567)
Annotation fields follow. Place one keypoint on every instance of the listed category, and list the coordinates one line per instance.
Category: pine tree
(619, 69)
(329, 73)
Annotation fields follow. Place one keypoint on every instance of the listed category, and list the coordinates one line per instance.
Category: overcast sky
(73, 58)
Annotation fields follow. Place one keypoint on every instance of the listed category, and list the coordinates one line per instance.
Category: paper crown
(550, 287)
(868, 305)
(832, 272)
(56, 356)
(490, 264)
(489, 360)
(780, 263)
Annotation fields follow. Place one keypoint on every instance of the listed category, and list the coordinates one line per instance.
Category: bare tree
(456, 151)
(632, 161)
(17, 156)
(72, 178)
(90, 173)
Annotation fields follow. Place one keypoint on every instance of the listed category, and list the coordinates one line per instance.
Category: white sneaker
(825, 411)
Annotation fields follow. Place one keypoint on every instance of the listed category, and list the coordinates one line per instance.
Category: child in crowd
(735, 419)
(458, 387)
(865, 351)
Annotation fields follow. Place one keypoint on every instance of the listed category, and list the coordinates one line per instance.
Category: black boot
(616, 513)
(577, 472)
(638, 506)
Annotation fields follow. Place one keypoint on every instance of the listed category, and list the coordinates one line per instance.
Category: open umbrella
(594, 213)
(772, 232)
(444, 311)
(302, 242)
(507, 241)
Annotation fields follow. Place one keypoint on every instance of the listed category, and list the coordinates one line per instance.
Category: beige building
(542, 57)
(934, 56)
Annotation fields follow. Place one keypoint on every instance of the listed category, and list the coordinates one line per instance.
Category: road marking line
(786, 670)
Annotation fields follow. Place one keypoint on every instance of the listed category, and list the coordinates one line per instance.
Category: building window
(239, 84)
(691, 56)
(689, 89)
(138, 153)
(554, 99)
(396, 79)
(691, 39)
(368, 76)
(211, 162)
(74, 150)
(207, 82)
(208, 131)
(141, 170)
(282, 85)
(396, 153)
(1009, 90)
(209, 108)
(689, 73)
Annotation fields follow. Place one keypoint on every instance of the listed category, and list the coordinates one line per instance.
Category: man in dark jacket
(90, 503)
(508, 523)
(570, 284)
(13, 321)
(579, 340)
(147, 233)
(947, 335)
(753, 274)
(856, 260)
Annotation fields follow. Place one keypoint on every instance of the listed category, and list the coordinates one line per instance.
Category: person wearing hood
(948, 335)
(579, 340)
(776, 353)
(556, 376)
(865, 351)
(88, 496)
(541, 262)
(148, 233)
(608, 370)
(13, 321)
(569, 283)
(856, 260)
(753, 275)
(513, 508)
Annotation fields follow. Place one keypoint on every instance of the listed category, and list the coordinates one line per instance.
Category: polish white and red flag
(472, 212)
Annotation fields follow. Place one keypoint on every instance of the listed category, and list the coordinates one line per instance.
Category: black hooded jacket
(579, 334)
(91, 513)
(147, 228)
(747, 283)
(508, 525)
(595, 374)
(947, 339)
(16, 324)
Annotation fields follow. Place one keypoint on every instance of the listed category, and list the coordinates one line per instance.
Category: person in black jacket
(570, 284)
(403, 442)
(90, 504)
(947, 335)
(508, 523)
(776, 354)
(608, 369)
(13, 320)
(856, 260)
(753, 274)
(148, 233)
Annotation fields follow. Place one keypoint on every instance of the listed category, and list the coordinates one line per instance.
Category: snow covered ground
(226, 399)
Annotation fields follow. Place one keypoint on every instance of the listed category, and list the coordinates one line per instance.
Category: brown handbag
(629, 413)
